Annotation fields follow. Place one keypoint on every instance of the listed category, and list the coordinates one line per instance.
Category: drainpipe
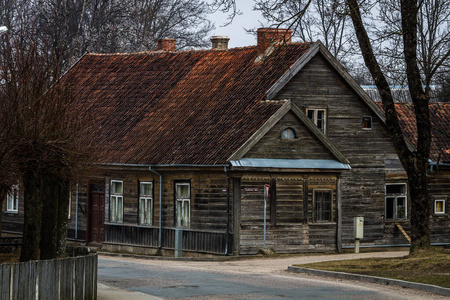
(76, 214)
(228, 210)
(160, 207)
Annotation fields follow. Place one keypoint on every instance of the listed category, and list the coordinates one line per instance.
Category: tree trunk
(49, 217)
(63, 214)
(32, 185)
(414, 162)
(420, 210)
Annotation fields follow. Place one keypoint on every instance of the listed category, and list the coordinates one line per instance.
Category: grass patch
(431, 267)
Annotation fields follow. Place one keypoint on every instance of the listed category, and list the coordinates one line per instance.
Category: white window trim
(405, 195)
(314, 206)
(371, 123)
(116, 198)
(11, 199)
(148, 200)
(443, 207)
(314, 120)
(183, 201)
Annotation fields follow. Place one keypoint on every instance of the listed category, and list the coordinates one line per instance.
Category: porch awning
(325, 164)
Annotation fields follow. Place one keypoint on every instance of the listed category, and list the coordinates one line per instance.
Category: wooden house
(235, 149)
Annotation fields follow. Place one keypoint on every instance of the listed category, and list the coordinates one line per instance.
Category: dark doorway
(96, 218)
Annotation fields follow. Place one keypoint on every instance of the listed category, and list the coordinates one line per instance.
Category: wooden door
(96, 231)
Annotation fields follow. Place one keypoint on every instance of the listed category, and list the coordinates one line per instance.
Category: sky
(249, 20)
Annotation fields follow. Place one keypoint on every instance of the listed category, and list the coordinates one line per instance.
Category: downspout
(228, 210)
(339, 214)
(160, 207)
(76, 214)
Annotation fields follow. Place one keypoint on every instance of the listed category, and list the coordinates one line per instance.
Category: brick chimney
(166, 45)
(220, 42)
(272, 36)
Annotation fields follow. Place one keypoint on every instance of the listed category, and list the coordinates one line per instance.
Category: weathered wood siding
(370, 152)
(13, 221)
(208, 197)
(294, 229)
(208, 210)
(305, 146)
(440, 189)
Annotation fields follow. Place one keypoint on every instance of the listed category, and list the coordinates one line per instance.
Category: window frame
(115, 211)
(180, 221)
(315, 117)
(370, 122)
(322, 220)
(283, 137)
(144, 215)
(435, 206)
(13, 196)
(395, 204)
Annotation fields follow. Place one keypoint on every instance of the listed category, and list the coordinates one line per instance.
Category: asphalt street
(237, 279)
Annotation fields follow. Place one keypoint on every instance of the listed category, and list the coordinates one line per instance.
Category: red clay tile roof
(440, 122)
(193, 107)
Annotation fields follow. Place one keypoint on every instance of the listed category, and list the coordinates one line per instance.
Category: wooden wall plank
(5, 277)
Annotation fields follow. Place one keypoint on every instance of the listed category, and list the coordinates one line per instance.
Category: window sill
(439, 215)
(322, 223)
(11, 212)
(390, 221)
(113, 223)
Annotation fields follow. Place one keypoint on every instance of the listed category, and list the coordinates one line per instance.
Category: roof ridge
(156, 52)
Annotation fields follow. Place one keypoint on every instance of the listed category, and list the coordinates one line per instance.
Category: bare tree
(74, 27)
(312, 20)
(45, 145)
(433, 40)
(415, 162)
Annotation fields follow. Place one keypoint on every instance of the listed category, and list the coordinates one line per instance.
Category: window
(116, 202)
(322, 205)
(146, 203)
(183, 203)
(367, 122)
(288, 134)
(12, 199)
(318, 117)
(439, 207)
(396, 201)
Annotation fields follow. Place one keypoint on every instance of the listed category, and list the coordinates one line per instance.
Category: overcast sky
(249, 20)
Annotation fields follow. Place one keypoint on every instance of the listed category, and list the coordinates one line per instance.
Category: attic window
(367, 122)
(318, 117)
(288, 134)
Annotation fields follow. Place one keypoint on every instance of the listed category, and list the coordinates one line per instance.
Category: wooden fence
(193, 240)
(66, 278)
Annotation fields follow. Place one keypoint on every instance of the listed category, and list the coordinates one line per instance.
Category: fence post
(178, 242)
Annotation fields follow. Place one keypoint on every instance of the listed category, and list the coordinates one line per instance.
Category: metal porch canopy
(325, 164)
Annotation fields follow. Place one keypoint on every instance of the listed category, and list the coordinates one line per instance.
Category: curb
(150, 257)
(380, 280)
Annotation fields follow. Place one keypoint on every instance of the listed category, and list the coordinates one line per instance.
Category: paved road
(240, 279)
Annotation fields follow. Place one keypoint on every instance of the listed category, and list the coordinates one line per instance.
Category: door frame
(89, 227)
